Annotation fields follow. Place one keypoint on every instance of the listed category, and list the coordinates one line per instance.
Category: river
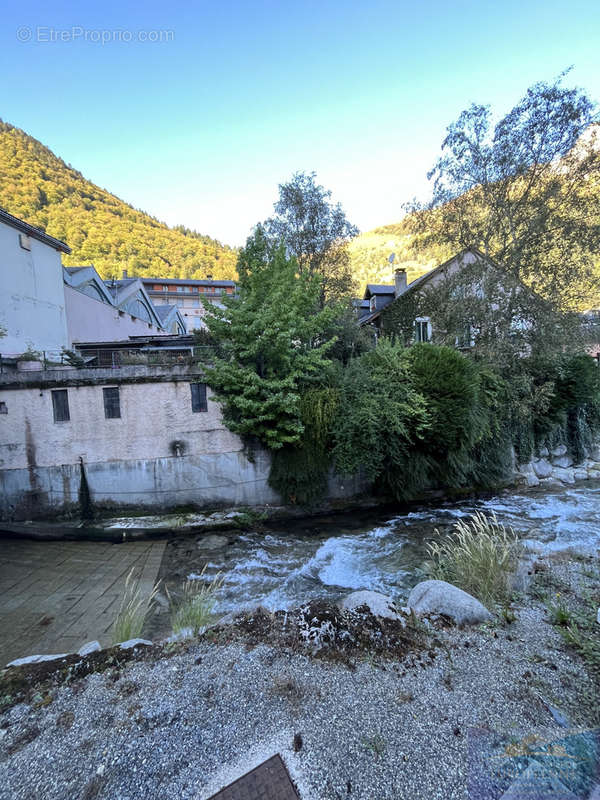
(329, 557)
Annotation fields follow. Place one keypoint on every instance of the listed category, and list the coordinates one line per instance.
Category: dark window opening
(112, 404)
(60, 405)
(199, 402)
(421, 331)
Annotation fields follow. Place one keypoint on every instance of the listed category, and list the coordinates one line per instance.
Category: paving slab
(268, 781)
(56, 596)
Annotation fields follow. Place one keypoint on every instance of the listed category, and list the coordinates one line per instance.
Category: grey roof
(381, 288)
(35, 233)
(188, 282)
(74, 270)
(163, 311)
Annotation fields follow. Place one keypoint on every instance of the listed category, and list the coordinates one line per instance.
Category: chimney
(400, 281)
(124, 274)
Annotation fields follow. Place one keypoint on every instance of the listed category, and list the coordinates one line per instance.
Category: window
(465, 338)
(112, 404)
(422, 330)
(60, 405)
(24, 241)
(199, 402)
(3, 408)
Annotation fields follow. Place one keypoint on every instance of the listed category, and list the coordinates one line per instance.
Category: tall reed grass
(479, 555)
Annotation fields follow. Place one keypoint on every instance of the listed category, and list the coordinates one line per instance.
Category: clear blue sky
(200, 129)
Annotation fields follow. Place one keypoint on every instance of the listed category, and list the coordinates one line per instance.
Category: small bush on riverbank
(195, 608)
(133, 611)
(478, 556)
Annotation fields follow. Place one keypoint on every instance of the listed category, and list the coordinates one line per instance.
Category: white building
(32, 298)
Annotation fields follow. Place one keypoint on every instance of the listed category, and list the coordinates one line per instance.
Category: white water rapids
(331, 557)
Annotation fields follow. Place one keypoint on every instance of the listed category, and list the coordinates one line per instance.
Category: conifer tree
(271, 344)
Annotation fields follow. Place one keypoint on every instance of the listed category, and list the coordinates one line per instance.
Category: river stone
(561, 450)
(580, 474)
(551, 483)
(542, 468)
(380, 605)
(36, 659)
(212, 542)
(134, 643)
(89, 647)
(544, 452)
(440, 597)
(563, 461)
(564, 475)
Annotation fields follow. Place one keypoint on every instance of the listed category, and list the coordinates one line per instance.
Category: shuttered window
(60, 405)
(199, 402)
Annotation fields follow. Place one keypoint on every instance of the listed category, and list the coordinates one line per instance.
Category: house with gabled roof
(405, 309)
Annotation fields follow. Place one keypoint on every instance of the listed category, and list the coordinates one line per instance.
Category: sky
(196, 111)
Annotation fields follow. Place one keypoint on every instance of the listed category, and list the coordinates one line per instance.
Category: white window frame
(419, 321)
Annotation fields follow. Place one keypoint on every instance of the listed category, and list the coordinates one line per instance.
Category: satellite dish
(392, 257)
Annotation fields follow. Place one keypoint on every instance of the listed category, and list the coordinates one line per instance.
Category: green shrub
(299, 473)
(380, 418)
(459, 409)
(479, 556)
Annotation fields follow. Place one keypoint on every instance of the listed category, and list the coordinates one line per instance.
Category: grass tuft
(133, 611)
(479, 556)
(195, 608)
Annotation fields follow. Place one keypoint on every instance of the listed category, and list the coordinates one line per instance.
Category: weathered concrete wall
(91, 320)
(154, 416)
(203, 480)
(32, 301)
(158, 454)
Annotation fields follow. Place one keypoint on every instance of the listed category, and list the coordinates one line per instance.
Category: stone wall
(554, 469)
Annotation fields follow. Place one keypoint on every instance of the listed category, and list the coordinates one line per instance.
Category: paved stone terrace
(56, 596)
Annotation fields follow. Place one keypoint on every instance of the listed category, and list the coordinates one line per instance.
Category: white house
(32, 298)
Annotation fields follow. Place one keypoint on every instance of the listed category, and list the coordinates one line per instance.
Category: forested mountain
(101, 229)
(370, 251)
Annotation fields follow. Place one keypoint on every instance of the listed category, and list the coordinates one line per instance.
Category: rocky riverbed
(410, 718)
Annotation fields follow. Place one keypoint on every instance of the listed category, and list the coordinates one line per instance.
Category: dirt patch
(323, 630)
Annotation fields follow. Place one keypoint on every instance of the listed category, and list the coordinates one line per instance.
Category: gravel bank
(185, 725)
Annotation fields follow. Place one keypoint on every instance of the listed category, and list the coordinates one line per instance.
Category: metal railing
(117, 358)
(109, 358)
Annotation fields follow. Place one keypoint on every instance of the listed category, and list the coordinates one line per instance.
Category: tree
(316, 232)
(525, 191)
(272, 345)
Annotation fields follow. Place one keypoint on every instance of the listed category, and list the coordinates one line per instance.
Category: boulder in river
(440, 597)
(566, 475)
(212, 542)
(563, 461)
(542, 468)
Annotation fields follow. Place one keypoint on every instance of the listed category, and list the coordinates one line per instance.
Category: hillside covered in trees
(101, 229)
(369, 253)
